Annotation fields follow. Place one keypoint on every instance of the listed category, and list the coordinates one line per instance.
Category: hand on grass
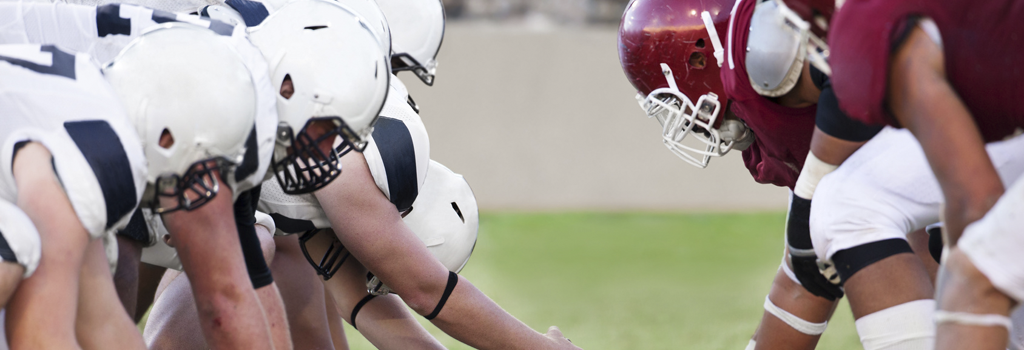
(559, 341)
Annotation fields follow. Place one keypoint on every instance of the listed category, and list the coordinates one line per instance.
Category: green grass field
(634, 280)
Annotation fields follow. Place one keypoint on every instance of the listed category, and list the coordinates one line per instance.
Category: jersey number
(61, 64)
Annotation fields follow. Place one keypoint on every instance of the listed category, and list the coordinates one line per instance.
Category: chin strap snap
(453, 279)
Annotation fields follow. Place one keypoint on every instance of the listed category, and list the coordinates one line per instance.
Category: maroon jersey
(783, 133)
(983, 44)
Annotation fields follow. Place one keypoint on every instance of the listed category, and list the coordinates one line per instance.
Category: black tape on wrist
(453, 279)
(359, 305)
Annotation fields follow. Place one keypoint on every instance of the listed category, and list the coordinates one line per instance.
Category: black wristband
(453, 279)
(359, 305)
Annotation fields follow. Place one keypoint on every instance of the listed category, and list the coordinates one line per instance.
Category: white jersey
(103, 31)
(62, 101)
(19, 240)
(398, 155)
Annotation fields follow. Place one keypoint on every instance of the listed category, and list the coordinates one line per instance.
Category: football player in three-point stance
(906, 64)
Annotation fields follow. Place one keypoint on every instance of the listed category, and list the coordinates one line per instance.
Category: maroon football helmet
(671, 51)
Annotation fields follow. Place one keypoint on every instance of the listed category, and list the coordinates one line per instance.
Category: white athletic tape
(814, 169)
(797, 323)
(907, 326)
(751, 345)
(969, 319)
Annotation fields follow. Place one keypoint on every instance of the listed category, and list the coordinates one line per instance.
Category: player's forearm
(923, 101)
(229, 309)
(473, 318)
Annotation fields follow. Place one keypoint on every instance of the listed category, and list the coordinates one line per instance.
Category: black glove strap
(453, 279)
(359, 305)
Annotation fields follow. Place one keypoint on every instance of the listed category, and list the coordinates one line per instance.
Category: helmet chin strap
(713, 33)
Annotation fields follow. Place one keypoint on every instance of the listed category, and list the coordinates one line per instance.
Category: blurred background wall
(531, 105)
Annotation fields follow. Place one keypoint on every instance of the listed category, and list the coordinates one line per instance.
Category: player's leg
(41, 314)
(860, 219)
(334, 323)
(126, 276)
(257, 241)
(130, 241)
(207, 243)
(793, 318)
(919, 241)
(101, 323)
(384, 320)
(172, 322)
(983, 279)
(149, 280)
(303, 295)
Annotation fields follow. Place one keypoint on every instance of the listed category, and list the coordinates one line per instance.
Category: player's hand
(559, 340)
(801, 252)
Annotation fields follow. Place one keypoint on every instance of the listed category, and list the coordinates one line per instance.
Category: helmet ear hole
(698, 60)
(287, 87)
(700, 43)
(166, 139)
(458, 211)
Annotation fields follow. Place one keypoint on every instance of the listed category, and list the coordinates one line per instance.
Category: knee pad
(799, 324)
(906, 326)
(848, 261)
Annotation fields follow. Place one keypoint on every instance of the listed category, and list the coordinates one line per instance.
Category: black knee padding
(453, 279)
(359, 305)
(245, 221)
(849, 261)
(935, 243)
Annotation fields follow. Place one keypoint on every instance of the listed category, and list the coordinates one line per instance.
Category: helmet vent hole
(700, 43)
(458, 211)
(697, 60)
(287, 87)
(315, 27)
(166, 139)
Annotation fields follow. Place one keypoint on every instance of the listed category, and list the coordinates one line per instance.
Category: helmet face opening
(192, 190)
(311, 161)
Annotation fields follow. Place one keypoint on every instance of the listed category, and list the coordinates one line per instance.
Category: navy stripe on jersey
(103, 150)
(251, 160)
(6, 252)
(61, 64)
(109, 21)
(164, 16)
(289, 225)
(399, 157)
(253, 13)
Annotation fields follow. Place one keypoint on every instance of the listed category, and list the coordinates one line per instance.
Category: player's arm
(373, 231)
(923, 101)
(207, 243)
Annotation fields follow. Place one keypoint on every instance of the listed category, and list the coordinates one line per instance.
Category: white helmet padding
(417, 29)
(339, 74)
(185, 81)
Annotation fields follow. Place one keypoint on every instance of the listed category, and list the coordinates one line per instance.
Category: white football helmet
(185, 82)
(445, 217)
(417, 29)
(339, 74)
